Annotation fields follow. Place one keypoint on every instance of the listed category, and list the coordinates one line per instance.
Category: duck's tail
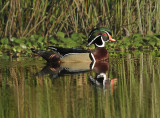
(49, 56)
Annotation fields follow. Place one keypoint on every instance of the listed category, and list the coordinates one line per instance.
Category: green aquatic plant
(23, 45)
(77, 40)
(136, 42)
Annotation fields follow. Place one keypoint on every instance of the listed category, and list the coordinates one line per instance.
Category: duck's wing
(64, 51)
(49, 56)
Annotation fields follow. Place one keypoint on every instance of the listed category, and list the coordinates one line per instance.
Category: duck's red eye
(104, 34)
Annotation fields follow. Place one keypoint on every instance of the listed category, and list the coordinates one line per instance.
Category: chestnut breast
(100, 54)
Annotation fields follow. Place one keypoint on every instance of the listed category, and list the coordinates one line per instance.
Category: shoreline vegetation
(26, 24)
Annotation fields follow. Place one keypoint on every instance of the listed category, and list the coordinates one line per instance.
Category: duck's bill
(111, 39)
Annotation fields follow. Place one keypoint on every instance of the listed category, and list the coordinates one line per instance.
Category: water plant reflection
(137, 93)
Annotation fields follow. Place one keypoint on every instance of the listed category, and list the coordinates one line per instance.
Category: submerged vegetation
(25, 24)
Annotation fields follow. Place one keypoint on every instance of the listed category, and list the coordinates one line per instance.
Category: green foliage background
(39, 23)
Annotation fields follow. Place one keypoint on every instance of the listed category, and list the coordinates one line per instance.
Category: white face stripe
(93, 40)
(104, 76)
(54, 48)
(103, 43)
(106, 32)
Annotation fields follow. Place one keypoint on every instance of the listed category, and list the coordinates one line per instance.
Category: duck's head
(99, 36)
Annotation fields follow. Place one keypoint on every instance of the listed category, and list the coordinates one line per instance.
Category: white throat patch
(103, 43)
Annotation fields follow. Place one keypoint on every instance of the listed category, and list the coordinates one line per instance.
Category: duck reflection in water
(70, 60)
(99, 78)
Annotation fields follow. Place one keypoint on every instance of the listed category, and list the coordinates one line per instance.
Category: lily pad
(61, 34)
(4, 41)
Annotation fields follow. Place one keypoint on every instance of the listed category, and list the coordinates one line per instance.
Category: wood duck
(97, 36)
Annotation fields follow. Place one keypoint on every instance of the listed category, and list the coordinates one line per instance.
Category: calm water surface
(126, 87)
